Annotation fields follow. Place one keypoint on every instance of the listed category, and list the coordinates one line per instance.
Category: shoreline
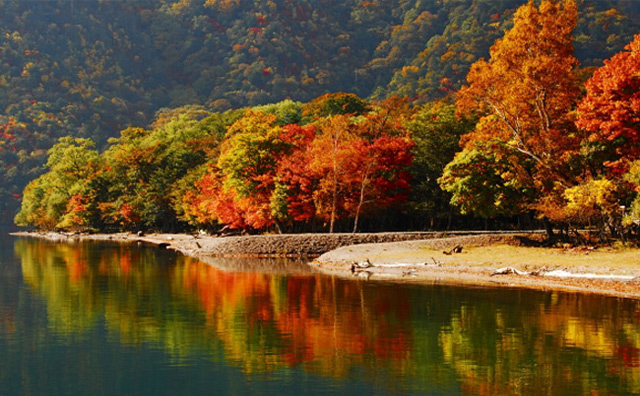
(507, 262)
(421, 258)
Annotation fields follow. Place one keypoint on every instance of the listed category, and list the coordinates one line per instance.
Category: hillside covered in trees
(102, 69)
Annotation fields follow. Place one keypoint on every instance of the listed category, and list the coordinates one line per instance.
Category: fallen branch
(560, 274)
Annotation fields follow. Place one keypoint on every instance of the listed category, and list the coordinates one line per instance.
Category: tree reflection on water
(481, 341)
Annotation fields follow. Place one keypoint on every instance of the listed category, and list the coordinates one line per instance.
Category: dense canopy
(314, 115)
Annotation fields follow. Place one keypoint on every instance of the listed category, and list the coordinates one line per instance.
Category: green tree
(72, 166)
(436, 132)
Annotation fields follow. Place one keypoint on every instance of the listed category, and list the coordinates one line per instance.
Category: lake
(108, 319)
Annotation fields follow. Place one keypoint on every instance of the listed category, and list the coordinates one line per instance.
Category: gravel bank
(288, 245)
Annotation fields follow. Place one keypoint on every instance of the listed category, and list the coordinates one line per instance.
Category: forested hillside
(91, 69)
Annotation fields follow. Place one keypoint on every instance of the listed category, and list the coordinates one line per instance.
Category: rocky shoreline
(285, 245)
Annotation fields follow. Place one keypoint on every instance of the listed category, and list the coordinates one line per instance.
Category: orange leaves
(128, 215)
(525, 93)
(530, 75)
(77, 210)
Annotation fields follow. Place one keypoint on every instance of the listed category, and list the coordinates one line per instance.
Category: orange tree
(361, 166)
(523, 95)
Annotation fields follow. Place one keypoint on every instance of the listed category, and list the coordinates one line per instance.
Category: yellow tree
(333, 152)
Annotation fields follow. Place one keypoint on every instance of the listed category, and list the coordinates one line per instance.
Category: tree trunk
(334, 203)
(549, 229)
(278, 226)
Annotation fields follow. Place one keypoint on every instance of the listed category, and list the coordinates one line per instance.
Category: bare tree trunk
(549, 229)
(334, 204)
(278, 226)
(363, 185)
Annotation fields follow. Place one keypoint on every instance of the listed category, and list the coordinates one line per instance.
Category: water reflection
(402, 339)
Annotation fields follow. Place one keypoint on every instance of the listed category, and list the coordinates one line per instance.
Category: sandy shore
(491, 262)
(420, 258)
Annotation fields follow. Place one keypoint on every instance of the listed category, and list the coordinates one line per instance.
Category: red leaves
(267, 174)
(611, 108)
(128, 215)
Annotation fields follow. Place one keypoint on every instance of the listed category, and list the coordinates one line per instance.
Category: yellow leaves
(181, 6)
(26, 69)
(224, 5)
(591, 201)
(593, 193)
(406, 70)
(449, 55)
(612, 12)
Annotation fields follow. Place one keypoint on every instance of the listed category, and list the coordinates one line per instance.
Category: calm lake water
(103, 319)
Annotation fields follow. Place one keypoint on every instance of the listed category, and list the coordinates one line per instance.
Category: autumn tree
(358, 169)
(145, 168)
(334, 104)
(292, 198)
(610, 110)
(380, 175)
(208, 204)
(332, 152)
(524, 94)
(610, 113)
(248, 164)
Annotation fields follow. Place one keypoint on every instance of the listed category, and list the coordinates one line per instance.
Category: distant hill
(93, 68)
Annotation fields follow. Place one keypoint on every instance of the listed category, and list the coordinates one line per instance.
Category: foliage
(300, 158)
(481, 181)
(335, 104)
(93, 69)
(60, 198)
(610, 114)
(590, 201)
(436, 132)
(524, 95)
(610, 109)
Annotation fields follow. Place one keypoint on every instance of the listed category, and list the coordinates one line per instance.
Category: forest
(319, 115)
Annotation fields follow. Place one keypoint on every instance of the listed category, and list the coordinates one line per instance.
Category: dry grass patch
(527, 258)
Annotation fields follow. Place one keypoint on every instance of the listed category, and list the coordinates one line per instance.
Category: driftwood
(509, 271)
(456, 249)
(360, 266)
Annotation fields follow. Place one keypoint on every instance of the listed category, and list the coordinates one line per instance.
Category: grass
(536, 257)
